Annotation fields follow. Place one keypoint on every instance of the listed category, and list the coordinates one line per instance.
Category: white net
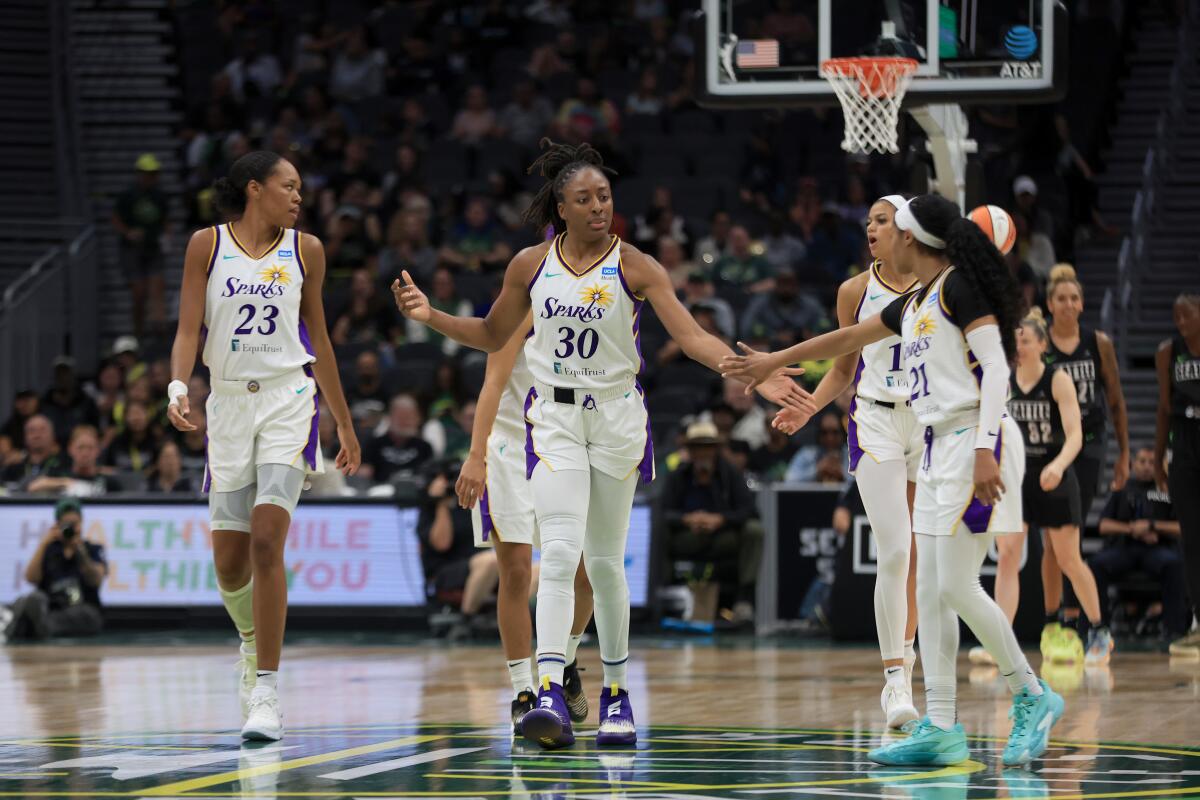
(870, 90)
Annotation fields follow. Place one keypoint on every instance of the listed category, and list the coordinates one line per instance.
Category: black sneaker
(577, 703)
(520, 707)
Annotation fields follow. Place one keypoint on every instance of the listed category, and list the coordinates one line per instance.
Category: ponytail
(229, 193)
(976, 257)
(1036, 322)
(558, 164)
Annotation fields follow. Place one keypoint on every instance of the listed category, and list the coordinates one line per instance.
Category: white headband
(906, 221)
(897, 200)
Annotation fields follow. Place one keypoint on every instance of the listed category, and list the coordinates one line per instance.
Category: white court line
(399, 763)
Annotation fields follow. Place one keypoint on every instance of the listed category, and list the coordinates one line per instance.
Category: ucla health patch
(285, 253)
(608, 272)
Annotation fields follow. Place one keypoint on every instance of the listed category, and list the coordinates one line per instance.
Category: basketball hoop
(870, 89)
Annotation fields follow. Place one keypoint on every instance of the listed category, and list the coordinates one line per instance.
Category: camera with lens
(68, 532)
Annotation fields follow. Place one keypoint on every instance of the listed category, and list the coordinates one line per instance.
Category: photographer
(67, 572)
(451, 561)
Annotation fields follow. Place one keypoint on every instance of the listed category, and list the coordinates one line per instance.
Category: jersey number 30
(568, 345)
(269, 315)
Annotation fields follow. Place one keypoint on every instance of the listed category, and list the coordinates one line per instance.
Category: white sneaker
(979, 655)
(897, 706)
(264, 722)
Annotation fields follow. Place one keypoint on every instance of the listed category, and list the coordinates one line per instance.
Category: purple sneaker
(549, 724)
(616, 718)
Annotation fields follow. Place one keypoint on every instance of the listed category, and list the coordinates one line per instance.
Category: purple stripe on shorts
(646, 466)
(531, 457)
(978, 516)
(485, 515)
(314, 439)
(856, 452)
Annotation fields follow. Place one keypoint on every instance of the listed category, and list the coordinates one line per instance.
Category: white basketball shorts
(884, 434)
(505, 512)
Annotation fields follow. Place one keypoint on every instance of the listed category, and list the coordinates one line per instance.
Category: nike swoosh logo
(553, 274)
(302, 390)
(992, 434)
(876, 296)
(961, 431)
(226, 258)
(1046, 722)
(502, 448)
(628, 393)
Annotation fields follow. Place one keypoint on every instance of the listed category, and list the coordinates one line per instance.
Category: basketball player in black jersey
(1044, 403)
(1089, 357)
(1178, 366)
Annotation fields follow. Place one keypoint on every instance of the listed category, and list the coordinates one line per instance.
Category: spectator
(358, 69)
(587, 117)
(475, 121)
(783, 250)
(353, 240)
(108, 394)
(750, 420)
(551, 13)
(1033, 247)
(659, 222)
(125, 352)
(355, 167)
(400, 451)
(84, 478)
(785, 315)
(1025, 197)
(699, 289)
(167, 474)
(449, 432)
(67, 572)
(367, 317)
(41, 454)
(408, 247)
(525, 119)
(769, 463)
(835, 244)
(1144, 534)
(712, 248)
(674, 261)
(509, 199)
(254, 73)
(743, 266)
(12, 435)
(809, 463)
(475, 243)
(451, 562)
(712, 520)
(646, 99)
(66, 404)
(140, 218)
(367, 387)
(133, 449)
(444, 297)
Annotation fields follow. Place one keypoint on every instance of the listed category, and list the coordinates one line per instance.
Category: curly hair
(558, 163)
(976, 257)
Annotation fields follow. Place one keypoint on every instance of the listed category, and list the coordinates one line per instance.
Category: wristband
(176, 390)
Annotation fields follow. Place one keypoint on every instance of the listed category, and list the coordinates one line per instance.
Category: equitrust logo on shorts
(236, 346)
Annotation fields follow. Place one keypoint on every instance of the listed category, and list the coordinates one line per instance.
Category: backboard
(767, 53)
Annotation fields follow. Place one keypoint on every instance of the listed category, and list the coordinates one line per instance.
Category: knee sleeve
(230, 511)
(560, 504)
(604, 555)
(279, 485)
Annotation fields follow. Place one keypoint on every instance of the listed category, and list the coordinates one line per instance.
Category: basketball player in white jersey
(586, 425)
(252, 291)
(959, 334)
(885, 451)
(494, 476)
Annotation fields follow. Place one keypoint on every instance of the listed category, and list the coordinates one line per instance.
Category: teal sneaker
(928, 745)
(1099, 647)
(1033, 716)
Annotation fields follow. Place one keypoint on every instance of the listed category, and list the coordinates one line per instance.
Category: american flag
(757, 53)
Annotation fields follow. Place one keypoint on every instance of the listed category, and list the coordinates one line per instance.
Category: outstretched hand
(789, 420)
(411, 301)
(754, 367)
(781, 390)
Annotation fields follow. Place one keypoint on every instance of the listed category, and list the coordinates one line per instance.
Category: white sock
(895, 677)
(573, 647)
(521, 676)
(910, 652)
(1023, 678)
(614, 673)
(268, 678)
(939, 701)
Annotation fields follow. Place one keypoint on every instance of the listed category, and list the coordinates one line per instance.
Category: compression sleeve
(985, 343)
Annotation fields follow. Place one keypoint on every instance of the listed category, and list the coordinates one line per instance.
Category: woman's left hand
(1050, 478)
(350, 454)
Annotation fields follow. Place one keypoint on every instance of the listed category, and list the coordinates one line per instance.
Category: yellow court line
(501, 776)
(267, 769)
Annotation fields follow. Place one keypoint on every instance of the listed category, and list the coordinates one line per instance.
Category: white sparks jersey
(252, 309)
(881, 374)
(943, 373)
(585, 322)
(510, 415)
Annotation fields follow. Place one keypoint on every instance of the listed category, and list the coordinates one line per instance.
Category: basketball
(997, 224)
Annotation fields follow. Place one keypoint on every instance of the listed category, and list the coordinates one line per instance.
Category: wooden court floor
(428, 720)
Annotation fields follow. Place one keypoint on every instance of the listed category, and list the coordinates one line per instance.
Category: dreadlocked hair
(976, 257)
(558, 163)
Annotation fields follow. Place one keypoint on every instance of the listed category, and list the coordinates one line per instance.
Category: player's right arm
(841, 375)
(472, 476)
(493, 331)
(192, 293)
(1162, 417)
